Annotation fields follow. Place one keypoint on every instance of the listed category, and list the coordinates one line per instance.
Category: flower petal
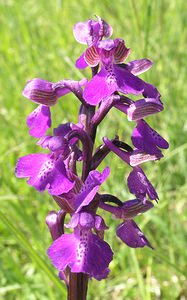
(92, 56)
(121, 52)
(147, 139)
(139, 66)
(131, 235)
(127, 82)
(81, 32)
(99, 87)
(40, 91)
(80, 62)
(39, 121)
(83, 252)
(90, 188)
(150, 91)
(45, 173)
(139, 185)
(143, 108)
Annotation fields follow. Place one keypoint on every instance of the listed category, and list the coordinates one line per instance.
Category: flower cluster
(84, 250)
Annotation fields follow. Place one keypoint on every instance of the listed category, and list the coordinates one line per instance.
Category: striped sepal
(121, 53)
(92, 56)
(138, 157)
(43, 97)
(143, 108)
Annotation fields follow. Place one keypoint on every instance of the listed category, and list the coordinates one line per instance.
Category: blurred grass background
(37, 41)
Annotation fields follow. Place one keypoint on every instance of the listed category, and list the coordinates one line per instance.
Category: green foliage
(37, 41)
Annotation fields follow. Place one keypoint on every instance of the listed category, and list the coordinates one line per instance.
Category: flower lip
(44, 172)
(131, 235)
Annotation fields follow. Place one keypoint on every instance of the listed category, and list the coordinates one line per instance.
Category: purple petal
(39, 121)
(133, 158)
(139, 66)
(147, 139)
(63, 129)
(40, 91)
(83, 252)
(99, 87)
(121, 52)
(90, 188)
(100, 224)
(150, 91)
(55, 143)
(62, 252)
(66, 86)
(81, 63)
(81, 32)
(74, 221)
(139, 185)
(131, 235)
(92, 56)
(143, 108)
(55, 223)
(138, 157)
(127, 82)
(86, 220)
(44, 172)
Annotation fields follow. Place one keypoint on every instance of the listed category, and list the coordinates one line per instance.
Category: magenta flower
(130, 234)
(140, 186)
(128, 231)
(44, 172)
(47, 93)
(58, 141)
(132, 158)
(112, 76)
(140, 109)
(69, 172)
(82, 250)
(147, 139)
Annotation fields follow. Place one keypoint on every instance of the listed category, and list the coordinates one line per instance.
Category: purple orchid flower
(47, 93)
(82, 250)
(130, 234)
(59, 142)
(112, 77)
(69, 172)
(147, 139)
(140, 186)
(128, 231)
(44, 172)
(140, 109)
(132, 158)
